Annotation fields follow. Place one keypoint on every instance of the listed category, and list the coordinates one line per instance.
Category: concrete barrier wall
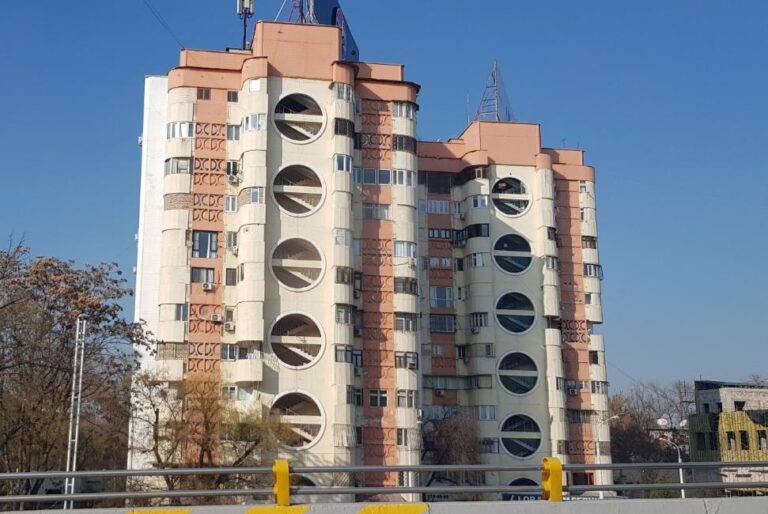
(691, 506)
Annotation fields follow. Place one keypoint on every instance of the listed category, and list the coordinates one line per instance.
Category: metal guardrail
(551, 469)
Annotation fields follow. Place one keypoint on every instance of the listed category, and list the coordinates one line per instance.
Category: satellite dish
(662, 422)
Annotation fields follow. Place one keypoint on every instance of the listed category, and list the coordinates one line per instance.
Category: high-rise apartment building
(300, 246)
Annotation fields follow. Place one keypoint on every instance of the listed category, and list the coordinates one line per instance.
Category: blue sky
(667, 97)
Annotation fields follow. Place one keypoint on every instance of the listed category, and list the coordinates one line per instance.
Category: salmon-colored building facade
(302, 250)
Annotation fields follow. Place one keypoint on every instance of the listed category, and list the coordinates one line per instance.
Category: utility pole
(74, 408)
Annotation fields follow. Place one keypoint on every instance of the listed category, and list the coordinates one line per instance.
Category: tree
(189, 424)
(40, 300)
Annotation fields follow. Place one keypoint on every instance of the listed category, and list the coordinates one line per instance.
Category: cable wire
(162, 21)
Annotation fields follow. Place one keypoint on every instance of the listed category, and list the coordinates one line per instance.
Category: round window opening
(299, 418)
(520, 435)
(515, 312)
(512, 253)
(298, 190)
(297, 264)
(298, 118)
(296, 340)
(518, 373)
(510, 196)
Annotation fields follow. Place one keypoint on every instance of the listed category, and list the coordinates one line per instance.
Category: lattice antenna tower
(245, 11)
(303, 11)
(494, 104)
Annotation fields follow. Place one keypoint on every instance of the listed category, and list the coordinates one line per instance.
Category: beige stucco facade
(317, 260)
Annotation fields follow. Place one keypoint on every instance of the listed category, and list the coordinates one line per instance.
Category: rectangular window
(205, 244)
(701, 441)
(714, 442)
(180, 130)
(459, 264)
(254, 85)
(342, 236)
(578, 416)
(439, 233)
(405, 249)
(229, 316)
(485, 412)
(440, 263)
(232, 96)
(403, 143)
(438, 207)
(257, 194)
(480, 202)
(744, 439)
(731, 438)
(229, 352)
(344, 127)
(403, 110)
(406, 285)
(257, 121)
(478, 319)
(232, 240)
(178, 165)
(373, 211)
(594, 357)
(233, 132)
(343, 163)
(407, 398)
(230, 203)
(232, 168)
(402, 437)
(477, 230)
(588, 242)
(201, 275)
(343, 91)
(203, 94)
(593, 270)
(552, 233)
(344, 275)
(475, 260)
(359, 435)
(762, 440)
(587, 298)
(403, 178)
(582, 186)
(440, 296)
(229, 392)
(182, 312)
(738, 406)
(230, 277)
(409, 360)
(442, 323)
(354, 396)
(405, 322)
(489, 445)
(552, 262)
(344, 314)
(377, 398)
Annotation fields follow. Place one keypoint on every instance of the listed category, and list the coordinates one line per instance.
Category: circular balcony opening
(518, 373)
(297, 264)
(299, 118)
(520, 435)
(515, 312)
(510, 196)
(297, 190)
(296, 340)
(299, 418)
(512, 254)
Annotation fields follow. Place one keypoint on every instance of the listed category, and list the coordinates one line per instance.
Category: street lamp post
(662, 422)
(601, 493)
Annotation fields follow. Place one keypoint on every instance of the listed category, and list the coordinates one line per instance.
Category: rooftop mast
(245, 11)
(494, 105)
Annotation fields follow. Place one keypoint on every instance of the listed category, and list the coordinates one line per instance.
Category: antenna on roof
(245, 11)
(304, 11)
(494, 104)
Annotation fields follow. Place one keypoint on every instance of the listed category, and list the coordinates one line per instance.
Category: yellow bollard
(552, 479)
(282, 487)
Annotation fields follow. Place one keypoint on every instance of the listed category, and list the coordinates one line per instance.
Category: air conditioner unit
(233, 249)
(412, 365)
(356, 294)
(358, 332)
(229, 326)
(462, 215)
(207, 286)
(439, 392)
(475, 330)
(233, 178)
(217, 318)
(572, 391)
(413, 263)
